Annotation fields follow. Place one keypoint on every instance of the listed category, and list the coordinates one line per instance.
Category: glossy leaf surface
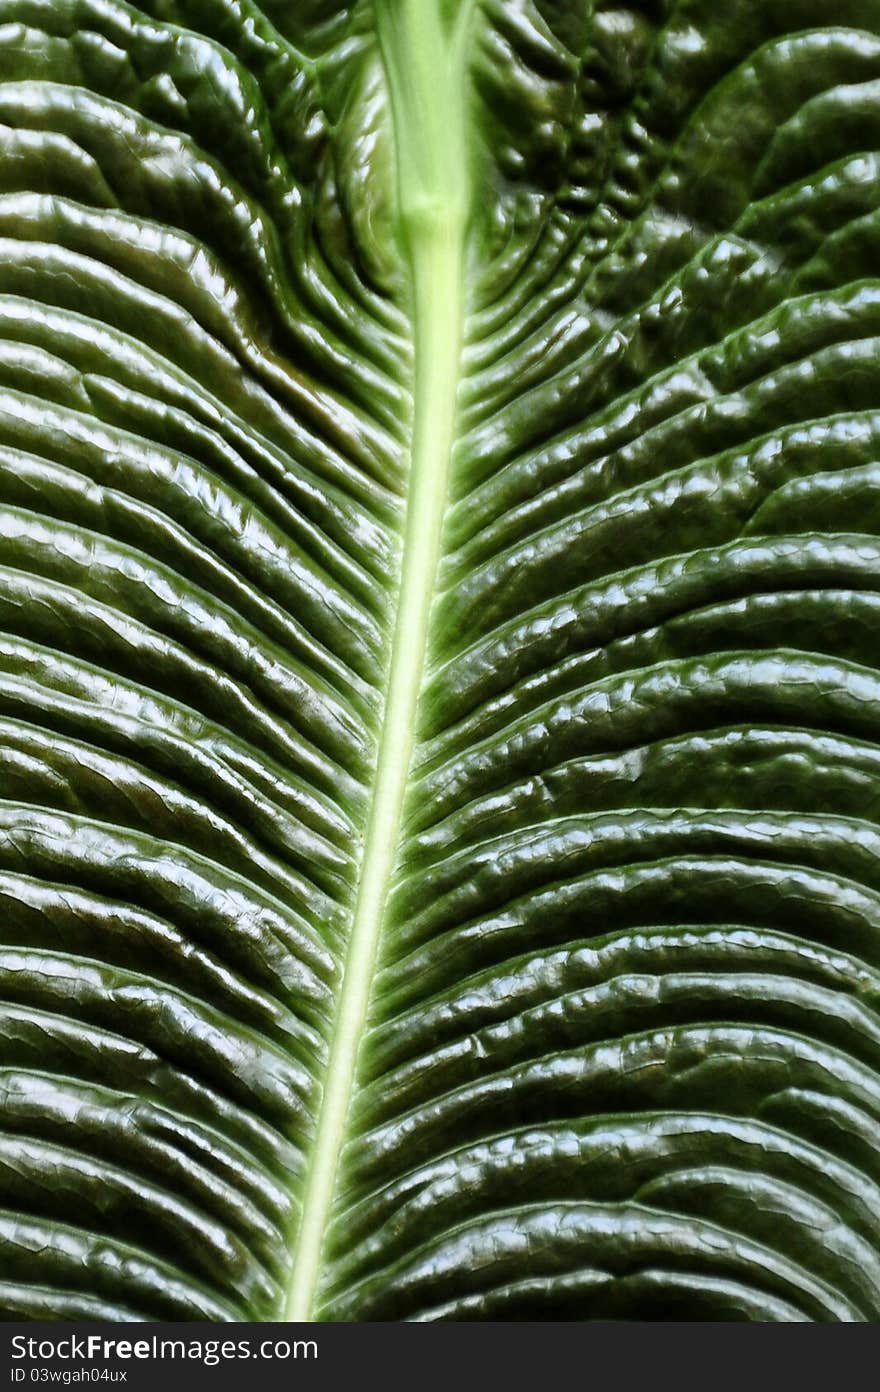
(439, 695)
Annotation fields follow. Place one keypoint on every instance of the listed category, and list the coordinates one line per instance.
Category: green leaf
(439, 698)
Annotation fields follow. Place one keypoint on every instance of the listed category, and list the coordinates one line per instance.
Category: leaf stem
(424, 61)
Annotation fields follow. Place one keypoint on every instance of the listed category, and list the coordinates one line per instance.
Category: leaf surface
(439, 702)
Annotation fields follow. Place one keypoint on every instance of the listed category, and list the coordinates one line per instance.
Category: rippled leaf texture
(439, 707)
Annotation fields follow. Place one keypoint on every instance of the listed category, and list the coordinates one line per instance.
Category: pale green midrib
(425, 71)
